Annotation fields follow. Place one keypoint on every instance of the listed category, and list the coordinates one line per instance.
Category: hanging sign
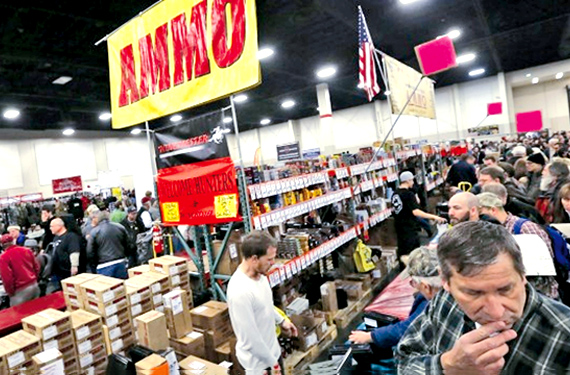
(484, 130)
(67, 185)
(290, 151)
(196, 179)
(311, 153)
(180, 54)
(402, 80)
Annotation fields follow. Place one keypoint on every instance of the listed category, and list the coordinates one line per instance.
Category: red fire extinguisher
(157, 240)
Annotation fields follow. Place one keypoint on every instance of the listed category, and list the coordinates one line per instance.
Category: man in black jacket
(462, 171)
(107, 248)
(130, 224)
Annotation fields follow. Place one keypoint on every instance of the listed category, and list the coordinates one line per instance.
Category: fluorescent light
(227, 120)
(175, 118)
(68, 131)
(11, 114)
(136, 131)
(476, 72)
(265, 121)
(62, 80)
(528, 75)
(559, 75)
(326, 72)
(453, 34)
(264, 53)
(226, 130)
(240, 98)
(288, 104)
(105, 116)
(535, 80)
(462, 59)
(387, 92)
(407, 1)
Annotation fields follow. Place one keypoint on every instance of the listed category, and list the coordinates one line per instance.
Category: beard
(462, 219)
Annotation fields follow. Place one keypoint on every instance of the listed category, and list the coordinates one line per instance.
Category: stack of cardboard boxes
(176, 268)
(213, 320)
(17, 351)
(106, 296)
(49, 362)
(152, 365)
(178, 317)
(139, 295)
(54, 329)
(193, 365)
(90, 341)
(138, 270)
(71, 291)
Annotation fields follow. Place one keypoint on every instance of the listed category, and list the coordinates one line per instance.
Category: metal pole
(246, 209)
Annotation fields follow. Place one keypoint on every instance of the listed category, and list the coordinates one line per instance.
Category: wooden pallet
(342, 318)
(297, 362)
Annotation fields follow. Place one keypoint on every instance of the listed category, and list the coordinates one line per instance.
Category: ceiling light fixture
(105, 116)
(265, 53)
(68, 132)
(476, 72)
(175, 118)
(11, 114)
(462, 59)
(453, 34)
(227, 120)
(326, 72)
(387, 92)
(136, 131)
(226, 130)
(528, 75)
(62, 80)
(559, 75)
(240, 98)
(288, 104)
(405, 2)
(535, 80)
(265, 121)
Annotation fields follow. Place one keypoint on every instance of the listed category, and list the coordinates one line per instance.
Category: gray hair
(469, 247)
(102, 215)
(558, 169)
(497, 189)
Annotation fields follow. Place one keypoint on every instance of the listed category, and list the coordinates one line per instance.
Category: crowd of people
(104, 236)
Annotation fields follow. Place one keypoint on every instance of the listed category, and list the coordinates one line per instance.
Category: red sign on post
(436, 56)
(494, 108)
(67, 185)
(529, 121)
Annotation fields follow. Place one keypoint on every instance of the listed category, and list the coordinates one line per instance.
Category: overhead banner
(67, 185)
(289, 151)
(196, 180)
(484, 130)
(181, 54)
(402, 80)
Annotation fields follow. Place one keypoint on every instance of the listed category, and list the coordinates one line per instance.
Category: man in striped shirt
(488, 319)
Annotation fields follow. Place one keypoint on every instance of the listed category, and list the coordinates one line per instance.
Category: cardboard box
(17, 349)
(152, 331)
(224, 353)
(103, 290)
(120, 317)
(153, 364)
(48, 362)
(192, 365)
(71, 366)
(85, 324)
(71, 284)
(213, 339)
(138, 270)
(328, 295)
(210, 316)
(305, 322)
(138, 293)
(91, 357)
(322, 328)
(232, 257)
(47, 323)
(177, 315)
(192, 344)
(353, 289)
(109, 308)
(169, 265)
(59, 342)
(306, 341)
(93, 341)
(98, 367)
(364, 278)
(141, 308)
(73, 302)
(118, 344)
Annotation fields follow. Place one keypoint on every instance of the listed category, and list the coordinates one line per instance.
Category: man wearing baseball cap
(406, 211)
(19, 271)
(144, 219)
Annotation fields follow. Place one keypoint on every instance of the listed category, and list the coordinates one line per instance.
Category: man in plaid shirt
(488, 319)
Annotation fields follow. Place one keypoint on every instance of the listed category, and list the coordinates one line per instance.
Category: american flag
(366, 64)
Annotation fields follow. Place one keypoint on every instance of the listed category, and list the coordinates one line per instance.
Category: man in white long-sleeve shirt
(250, 302)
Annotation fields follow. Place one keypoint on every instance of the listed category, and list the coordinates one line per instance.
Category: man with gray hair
(107, 248)
(423, 269)
(488, 319)
(512, 204)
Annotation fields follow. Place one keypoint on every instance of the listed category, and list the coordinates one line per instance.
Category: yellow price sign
(171, 212)
(226, 206)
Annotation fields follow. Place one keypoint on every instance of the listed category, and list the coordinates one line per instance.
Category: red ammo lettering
(190, 53)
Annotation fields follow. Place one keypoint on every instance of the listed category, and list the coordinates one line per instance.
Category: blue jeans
(118, 270)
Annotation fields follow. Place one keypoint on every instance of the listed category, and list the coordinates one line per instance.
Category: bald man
(65, 254)
(463, 207)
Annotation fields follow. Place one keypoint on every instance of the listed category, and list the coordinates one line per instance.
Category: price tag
(110, 310)
(252, 192)
(288, 271)
(257, 223)
(303, 262)
(84, 347)
(113, 321)
(299, 264)
(294, 270)
(263, 222)
(82, 333)
(135, 298)
(282, 275)
(263, 190)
